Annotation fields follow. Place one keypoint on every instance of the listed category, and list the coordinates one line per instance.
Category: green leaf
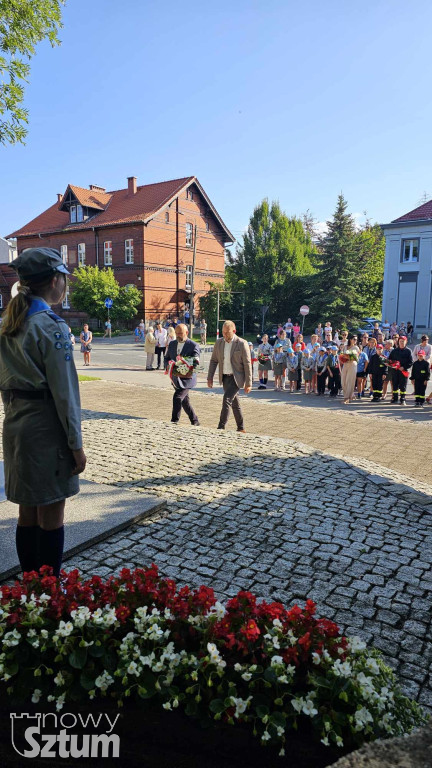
(78, 658)
(270, 675)
(87, 681)
(96, 651)
(217, 705)
(261, 710)
(278, 719)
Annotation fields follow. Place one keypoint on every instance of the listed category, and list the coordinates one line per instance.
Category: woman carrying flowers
(349, 358)
(264, 361)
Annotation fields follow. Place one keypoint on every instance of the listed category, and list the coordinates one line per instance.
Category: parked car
(271, 333)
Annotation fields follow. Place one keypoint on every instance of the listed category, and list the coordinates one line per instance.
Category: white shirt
(180, 345)
(227, 367)
(161, 337)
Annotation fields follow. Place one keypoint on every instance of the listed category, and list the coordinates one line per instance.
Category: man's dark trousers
(230, 400)
(181, 398)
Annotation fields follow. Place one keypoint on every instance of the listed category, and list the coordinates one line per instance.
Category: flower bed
(255, 664)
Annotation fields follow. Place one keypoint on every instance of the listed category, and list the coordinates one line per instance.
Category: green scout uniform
(42, 424)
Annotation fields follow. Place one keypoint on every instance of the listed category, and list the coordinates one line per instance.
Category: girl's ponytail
(16, 311)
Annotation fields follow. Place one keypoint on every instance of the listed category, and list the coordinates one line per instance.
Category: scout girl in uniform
(42, 443)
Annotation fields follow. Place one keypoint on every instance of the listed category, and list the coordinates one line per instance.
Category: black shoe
(174, 422)
(221, 427)
(402, 402)
(195, 423)
(262, 386)
(394, 400)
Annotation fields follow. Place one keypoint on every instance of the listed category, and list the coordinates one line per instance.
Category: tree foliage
(93, 285)
(272, 263)
(348, 283)
(23, 24)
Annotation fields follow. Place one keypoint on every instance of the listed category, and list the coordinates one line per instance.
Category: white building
(407, 292)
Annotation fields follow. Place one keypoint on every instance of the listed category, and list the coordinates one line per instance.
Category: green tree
(272, 262)
(370, 243)
(93, 285)
(337, 284)
(23, 24)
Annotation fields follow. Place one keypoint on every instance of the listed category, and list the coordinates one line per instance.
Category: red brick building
(145, 233)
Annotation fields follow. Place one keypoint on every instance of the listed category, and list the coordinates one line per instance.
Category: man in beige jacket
(232, 355)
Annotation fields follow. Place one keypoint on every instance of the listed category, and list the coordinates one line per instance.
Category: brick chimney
(95, 188)
(59, 197)
(132, 185)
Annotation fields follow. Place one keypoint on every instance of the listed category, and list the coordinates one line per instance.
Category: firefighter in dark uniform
(42, 442)
(377, 367)
(402, 355)
(420, 375)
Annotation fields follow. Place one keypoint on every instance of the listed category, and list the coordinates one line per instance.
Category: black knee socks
(27, 546)
(51, 548)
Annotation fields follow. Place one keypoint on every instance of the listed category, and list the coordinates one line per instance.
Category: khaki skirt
(37, 459)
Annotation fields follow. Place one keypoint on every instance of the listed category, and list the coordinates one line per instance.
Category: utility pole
(192, 294)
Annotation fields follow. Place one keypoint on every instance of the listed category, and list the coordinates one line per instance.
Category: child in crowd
(264, 355)
(328, 328)
(307, 366)
(420, 375)
(137, 333)
(254, 359)
(361, 373)
(292, 364)
(333, 371)
(279, 365)
(377, 368)
(299, 355)
(321, 369)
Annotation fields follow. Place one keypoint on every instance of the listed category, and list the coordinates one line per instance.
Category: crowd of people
(375, 365)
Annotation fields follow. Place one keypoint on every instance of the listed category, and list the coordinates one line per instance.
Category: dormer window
(76, 214)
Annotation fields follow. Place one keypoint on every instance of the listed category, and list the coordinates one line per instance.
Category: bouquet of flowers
(348, 357)
(263, 358)
(395, 364)
(182, 367)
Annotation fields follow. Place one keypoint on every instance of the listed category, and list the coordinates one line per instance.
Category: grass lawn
(88, 378)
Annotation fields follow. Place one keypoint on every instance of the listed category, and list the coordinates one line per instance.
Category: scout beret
(38, 263)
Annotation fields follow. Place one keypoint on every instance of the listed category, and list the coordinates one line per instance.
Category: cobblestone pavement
(280, 518)
(400, 439)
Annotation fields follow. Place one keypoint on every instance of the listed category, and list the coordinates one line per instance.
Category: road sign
(304, 310)
(108, 303)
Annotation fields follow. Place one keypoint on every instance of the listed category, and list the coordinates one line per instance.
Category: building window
(410, 251)
(167, 218)
(79, 213)
(189, 194)
(81, 254)
(108, 253)
(129, 252)
(189, 235)
(189, 277)
(207, 227)
(73, 212)
(64, 253)
(65, 302)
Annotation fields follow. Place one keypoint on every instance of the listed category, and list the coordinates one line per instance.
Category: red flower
(251, 630)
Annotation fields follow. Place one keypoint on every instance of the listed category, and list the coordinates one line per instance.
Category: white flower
(308, 708)
(372, 665)
(81, 615)
(215, 656)
(276, 660)
(316, 658)
(238, 667)
(44, 633)
(266, 736)
(282, 752)
(325, 741)
(133, 669)
(246, 676)
(240, 705)
(297, 704)
(342, 669)
(64, 629)
(355, 644)
(60, 702)
(167, 705)
(11, 638)
(23, 599)
(103, 681)
(218, 610)
(59, 679)
(37, 693)
(339, 741)
(44, 598)
(50, 698)
(362, 718)
(277, 623)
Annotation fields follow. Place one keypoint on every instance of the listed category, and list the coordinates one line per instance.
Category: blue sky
(294, 102)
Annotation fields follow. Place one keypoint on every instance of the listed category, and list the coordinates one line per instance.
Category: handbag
(89, 346)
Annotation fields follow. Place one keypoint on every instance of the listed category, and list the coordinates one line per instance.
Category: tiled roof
(422, 212)
(90, 198)
(120, 207)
